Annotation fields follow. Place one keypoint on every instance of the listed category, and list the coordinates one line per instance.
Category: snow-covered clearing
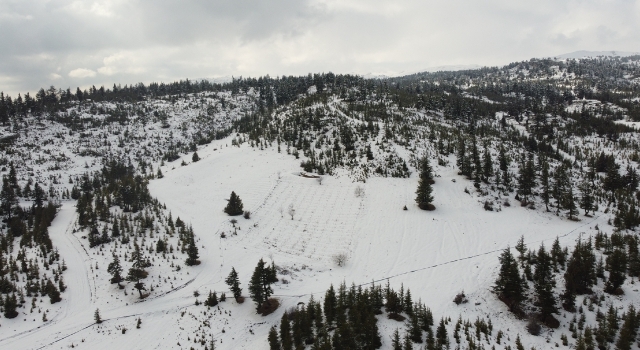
(435, 254)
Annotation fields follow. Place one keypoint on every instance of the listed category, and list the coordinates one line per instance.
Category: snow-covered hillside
(532, 155)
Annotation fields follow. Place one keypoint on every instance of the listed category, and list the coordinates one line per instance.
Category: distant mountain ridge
(585, 53)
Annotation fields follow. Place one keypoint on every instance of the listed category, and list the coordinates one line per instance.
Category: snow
(435, 254)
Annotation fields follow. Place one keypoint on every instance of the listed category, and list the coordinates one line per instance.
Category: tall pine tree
(425, 191)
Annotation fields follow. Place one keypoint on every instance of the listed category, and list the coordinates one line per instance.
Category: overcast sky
(80, 43)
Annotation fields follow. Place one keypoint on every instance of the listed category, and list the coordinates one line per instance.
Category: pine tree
(424, 193)
(571, 204)
(504, 161)
(115, 230)
(544, 182)
(96, 316)
(544, 283)
(487, 170)
(559, 189)
(580, 273)
(415, 332)
(330, 304)
(477, 166)
(115, 269)
(395, 341)
(617, 262)
(137, 272)
(234, 283)
(212, 299)
(407, 345)
(53, 292)
(234, 206)
(260, 284)
(461, 159)
(10, 306)
(521, 247)
(442, 338)
(587, 200)
(285, 332)
(557, 256)
(195, 157)
(629, 330)
(509, 285)
(519, 345)
(192, 251)
(274, 343)
(527, 179)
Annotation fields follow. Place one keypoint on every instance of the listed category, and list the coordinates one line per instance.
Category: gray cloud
(70, 43)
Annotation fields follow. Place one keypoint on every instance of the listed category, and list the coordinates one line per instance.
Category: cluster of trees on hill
(273, 91)
(27, 254)
(527, 283)
(347, 318)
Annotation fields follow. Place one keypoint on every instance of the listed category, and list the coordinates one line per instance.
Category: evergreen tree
(629, 330)
(234, 283)
(477, 166)
(571, 204)
(115, 269)
(424, 193)
(212, 299)
(330, 304)
(274, 343)
(580, 274)
(115, 230)
(137, 271)
(461, 159)
(53, 292)
(407, 345)
(544, 284)
(260, 284)
(587, 200)
(617, 263)
(509, 285)
(504, 161)
(487, 169)
(442, 337)
(544, 182)
(527, 179)
(192, 251)
(195, 157)
(415, 331)
(234, 206)
(285, 333)
(560, 187)
(395, 341)
(10, 306)
(96, 316)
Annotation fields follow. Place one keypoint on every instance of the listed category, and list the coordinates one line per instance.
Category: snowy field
(435, 254)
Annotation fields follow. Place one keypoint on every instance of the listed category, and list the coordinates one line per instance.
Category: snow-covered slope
(435, 254)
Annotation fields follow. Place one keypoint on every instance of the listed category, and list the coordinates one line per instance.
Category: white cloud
(126, 42)
(55, 76)
(82, 73)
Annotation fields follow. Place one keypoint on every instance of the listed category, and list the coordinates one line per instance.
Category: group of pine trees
(30, 266)
(517, 284)
(118, 184)
(346, 319)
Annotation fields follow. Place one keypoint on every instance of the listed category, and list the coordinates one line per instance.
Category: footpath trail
(77, 299)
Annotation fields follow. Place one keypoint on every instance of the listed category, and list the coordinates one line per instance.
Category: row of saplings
(581, 272)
